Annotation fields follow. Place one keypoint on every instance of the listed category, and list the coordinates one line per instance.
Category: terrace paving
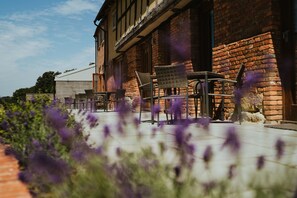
(256, 140)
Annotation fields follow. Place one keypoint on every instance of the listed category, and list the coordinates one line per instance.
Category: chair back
(240, 75)
(89, 93)
(171, 76)
(143, 80)
(120, 93)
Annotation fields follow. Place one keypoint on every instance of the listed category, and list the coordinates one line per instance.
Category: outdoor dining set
(168, 86)
(172, 83)
(91, 100)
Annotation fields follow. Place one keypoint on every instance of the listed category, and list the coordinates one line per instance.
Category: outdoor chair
(219, 111)
(172, 80)
(90, 100)
(120, 96)
(69, 102)
(144, 86)
(80, 100)
(197, 95)
(117, 98)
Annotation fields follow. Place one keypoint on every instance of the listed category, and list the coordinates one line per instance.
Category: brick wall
(236, 20)
(258, 54)
(132, 62)
(180, 37)
(249, 32)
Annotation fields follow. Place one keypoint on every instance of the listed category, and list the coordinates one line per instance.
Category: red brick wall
(180, 37)
(132, 62)
(248, 32)
(236, 20)
(258, 54)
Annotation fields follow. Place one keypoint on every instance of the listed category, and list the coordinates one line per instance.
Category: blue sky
(38, 36)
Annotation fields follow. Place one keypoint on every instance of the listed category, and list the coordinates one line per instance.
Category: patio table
(205, 76)
(105, 95)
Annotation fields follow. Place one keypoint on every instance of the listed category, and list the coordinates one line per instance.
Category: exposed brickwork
(180, 40)
(236, 20)
(259, 56)
(10, 186)
(133, 61)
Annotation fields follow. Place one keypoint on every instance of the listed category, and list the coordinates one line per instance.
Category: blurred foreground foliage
(56, 160)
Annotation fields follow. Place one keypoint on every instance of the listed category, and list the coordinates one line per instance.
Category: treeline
(44, 84)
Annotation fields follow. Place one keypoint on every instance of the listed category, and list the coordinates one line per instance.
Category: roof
(83, 74)
(102, 10)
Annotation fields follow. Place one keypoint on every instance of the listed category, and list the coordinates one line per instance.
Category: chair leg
(196, 106)
(140, 109)
(158, 116)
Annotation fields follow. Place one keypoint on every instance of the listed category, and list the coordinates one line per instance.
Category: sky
(37, 36)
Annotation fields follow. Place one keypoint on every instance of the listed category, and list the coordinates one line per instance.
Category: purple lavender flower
(238, 95)
(106, 131)
(99, 150)
(208, 154)
(36, 144)
(55, 118)
(204, 122)
(260, 162)
(4, 125)
(65, 134)
(123, 109)
(52, 169)
(78, 129)
(280, 147)
(232, 140)
(9, 151)
(9, 114)
(176, 107)
(179, 135)
(156, 109)
(136, 122)
(120, 128)
(251, 79)
(78, 154)
(190, 149)
(92, 119)
(24, 177)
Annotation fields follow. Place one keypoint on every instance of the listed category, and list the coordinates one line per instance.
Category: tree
(20, 94)
(46, 82)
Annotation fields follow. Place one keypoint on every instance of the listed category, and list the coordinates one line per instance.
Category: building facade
(70, 83)
(214, 35)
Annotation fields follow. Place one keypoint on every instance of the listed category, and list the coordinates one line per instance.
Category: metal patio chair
(219, 111)
(146, 94)
(172, 79)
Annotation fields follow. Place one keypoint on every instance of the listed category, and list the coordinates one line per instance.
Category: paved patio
(255, 139)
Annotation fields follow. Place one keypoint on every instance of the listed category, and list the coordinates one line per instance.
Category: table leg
(152, 102)
(206, 96)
